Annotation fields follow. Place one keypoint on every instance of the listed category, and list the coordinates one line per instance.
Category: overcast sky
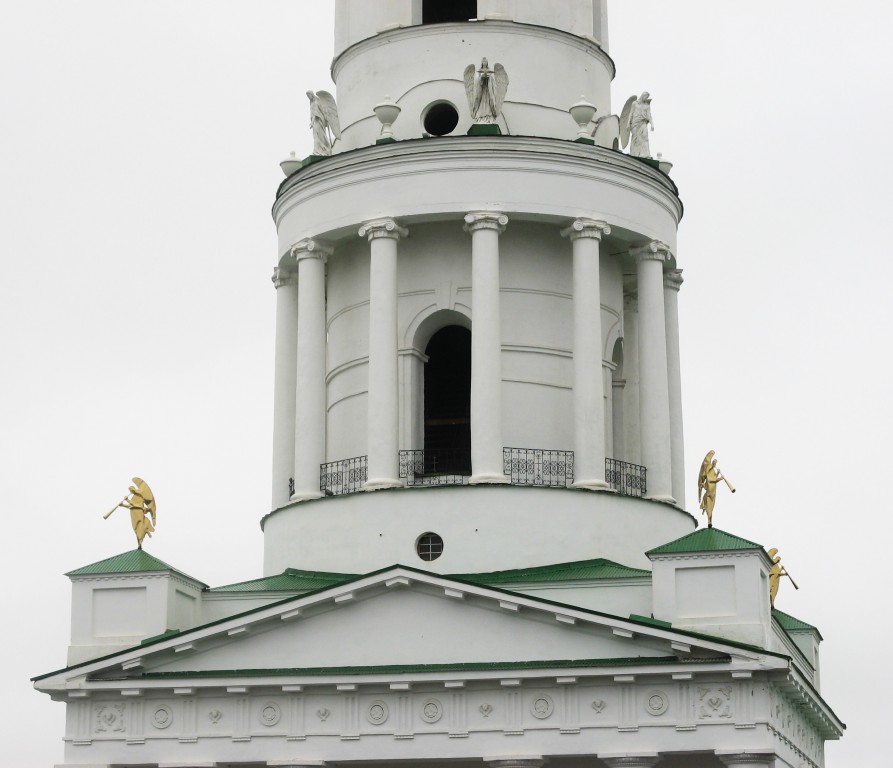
(139, 151)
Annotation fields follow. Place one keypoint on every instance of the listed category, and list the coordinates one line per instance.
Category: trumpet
(726, 481)
(119, 504)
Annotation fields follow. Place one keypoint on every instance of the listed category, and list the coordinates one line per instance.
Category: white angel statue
(486, 89)
(323, 119)
(634, 122)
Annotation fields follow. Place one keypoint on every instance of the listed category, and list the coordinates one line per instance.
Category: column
(617, 388)
(310, 401)
(486, 348)
(635, 760)
(747, 758)
(285, 383)
(672, 284)
(589, 406)
(654, 397)
(383, 414)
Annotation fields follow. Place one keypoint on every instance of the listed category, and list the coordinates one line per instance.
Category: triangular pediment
(405, 619)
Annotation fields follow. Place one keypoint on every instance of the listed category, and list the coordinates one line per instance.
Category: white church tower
(478, 552)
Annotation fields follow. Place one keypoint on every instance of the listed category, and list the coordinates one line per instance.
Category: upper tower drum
(555, 52)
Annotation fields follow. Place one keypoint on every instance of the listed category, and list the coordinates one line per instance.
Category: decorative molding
(653, 251)
(479, 220)
(734, 759)
(162, 717)
(431, 711)
(542, 706)
(215, 716)
(586, 229)
(656, 703)
(311, 249)
(109, 719)
(715, 702)
(270, 714)
(383, 228)
(378, 712)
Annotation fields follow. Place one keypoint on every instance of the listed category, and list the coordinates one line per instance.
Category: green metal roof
(791, 624)
(290, 580)
(704, 540)
(135, 561)
(579, 570)
(392, 669)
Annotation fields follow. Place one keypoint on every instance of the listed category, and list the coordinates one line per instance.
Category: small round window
(440, 118)
(429, 546)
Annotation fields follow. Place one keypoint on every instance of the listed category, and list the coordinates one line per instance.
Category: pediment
(403, 618)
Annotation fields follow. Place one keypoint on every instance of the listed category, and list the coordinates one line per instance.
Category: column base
(661, 497)
(489, 478)
(593, 485)
(305, 496)
(382, 484)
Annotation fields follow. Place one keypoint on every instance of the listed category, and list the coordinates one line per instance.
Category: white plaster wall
(548, 71)
(617, 598)
(484, 529)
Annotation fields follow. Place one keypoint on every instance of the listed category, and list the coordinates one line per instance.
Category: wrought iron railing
(537, 466)
(625, 478)
(437, 467)
(345, 476)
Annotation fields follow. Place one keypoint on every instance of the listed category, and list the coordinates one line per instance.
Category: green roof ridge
(705, 540)
(792, 624)
(134, 561)
(290, 580)
(577, 570)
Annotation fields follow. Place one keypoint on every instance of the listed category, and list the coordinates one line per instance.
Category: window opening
(442, 11)
(440, 119)
(448, 402)
(429, 546)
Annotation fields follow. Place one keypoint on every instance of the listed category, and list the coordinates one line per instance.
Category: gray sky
(139, 147)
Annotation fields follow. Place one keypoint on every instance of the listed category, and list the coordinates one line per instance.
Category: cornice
(451, 154)
(470, 29)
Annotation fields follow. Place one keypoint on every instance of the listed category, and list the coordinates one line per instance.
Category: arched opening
(442, 11)
(447, 410)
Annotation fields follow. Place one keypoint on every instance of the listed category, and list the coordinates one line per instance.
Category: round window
(440, 118)
(429, 546)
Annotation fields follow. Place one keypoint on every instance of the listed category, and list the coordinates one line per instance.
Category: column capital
(653, 251)
(385, 227)
(673, 279)
(478, 220)
(311, 249)
(589, 228)
(284, 276)
(643, 760)
(746, 757)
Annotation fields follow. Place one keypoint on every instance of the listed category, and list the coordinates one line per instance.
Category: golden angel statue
(634, 122)
(141, 503)
(323, 122)
(485, 89)
(775, 573)
(708, 478)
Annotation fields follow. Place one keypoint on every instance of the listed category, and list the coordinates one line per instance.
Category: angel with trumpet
(141, 503)
(775, 573)
(708, 478)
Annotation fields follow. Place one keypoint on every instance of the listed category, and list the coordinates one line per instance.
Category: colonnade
(299, 432)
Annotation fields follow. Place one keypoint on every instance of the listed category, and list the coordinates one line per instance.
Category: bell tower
(535, 258)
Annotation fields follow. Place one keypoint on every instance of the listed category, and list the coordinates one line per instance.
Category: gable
(402, 617)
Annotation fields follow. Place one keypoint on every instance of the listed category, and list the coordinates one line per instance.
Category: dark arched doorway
(442, 11)
(448, 402)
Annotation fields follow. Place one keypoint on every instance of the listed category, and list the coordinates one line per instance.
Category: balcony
(523, 466)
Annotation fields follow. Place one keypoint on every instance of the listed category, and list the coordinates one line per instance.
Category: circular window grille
(429, 546)
(440, 118)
